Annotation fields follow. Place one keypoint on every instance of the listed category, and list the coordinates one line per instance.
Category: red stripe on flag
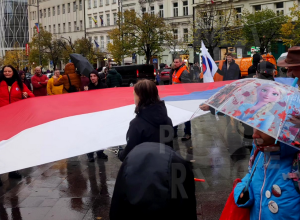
(32, 112)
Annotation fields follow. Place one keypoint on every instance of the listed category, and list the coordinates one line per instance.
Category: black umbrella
(82, 64)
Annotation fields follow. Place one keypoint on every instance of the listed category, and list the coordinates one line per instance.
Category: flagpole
(38, 9)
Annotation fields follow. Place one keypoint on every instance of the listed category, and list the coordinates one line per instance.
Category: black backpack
(72, 87)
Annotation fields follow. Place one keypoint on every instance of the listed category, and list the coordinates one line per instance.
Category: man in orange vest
(181, 75)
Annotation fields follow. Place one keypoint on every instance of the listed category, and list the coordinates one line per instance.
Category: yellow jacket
(54, 90)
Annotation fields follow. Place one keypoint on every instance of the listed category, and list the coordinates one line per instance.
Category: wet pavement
(75, 189)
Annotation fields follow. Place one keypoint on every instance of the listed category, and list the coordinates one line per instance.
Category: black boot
(1, 182)
(14, 175)
(101, 155)
(91, 157)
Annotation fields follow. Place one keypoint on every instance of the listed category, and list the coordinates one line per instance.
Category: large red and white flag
(40, 130)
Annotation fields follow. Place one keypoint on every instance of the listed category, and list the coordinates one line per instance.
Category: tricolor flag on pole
(209, 66)
(212, 1)
(37, 27)
(94, 20)
(101, 20)
(97, 45)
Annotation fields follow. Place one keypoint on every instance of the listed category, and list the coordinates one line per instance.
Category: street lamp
(38, 14)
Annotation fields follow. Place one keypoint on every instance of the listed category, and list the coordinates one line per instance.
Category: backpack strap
(68, 90)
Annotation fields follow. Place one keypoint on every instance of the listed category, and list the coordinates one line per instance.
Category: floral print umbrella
(262, 104)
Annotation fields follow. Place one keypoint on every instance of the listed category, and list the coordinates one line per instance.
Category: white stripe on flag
(77, 135)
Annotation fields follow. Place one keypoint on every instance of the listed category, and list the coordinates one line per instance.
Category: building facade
(176, 13)
(62, 18)
(281, 7)
(101, 17)
(13, 25)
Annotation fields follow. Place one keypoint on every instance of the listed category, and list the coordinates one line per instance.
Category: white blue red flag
(46, 129)
(209, 66)
(37, 27)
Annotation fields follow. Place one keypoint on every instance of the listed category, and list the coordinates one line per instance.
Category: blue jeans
(187, 128)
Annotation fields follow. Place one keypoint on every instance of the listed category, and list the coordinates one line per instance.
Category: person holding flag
(181, 75)
(231, 71)
(209, 66)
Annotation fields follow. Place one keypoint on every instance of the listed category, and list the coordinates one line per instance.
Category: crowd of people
(165, 194)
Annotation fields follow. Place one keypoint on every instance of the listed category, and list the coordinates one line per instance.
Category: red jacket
(39, 89)
(14, 95)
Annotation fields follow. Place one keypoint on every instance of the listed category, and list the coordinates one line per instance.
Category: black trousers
(91, 155)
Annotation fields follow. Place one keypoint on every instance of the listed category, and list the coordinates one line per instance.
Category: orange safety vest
(176, 75)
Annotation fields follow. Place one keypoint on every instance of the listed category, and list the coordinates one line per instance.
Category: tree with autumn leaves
(262, 28)
(215, 25)
(59, 49)
(290, 30)
(143, 34)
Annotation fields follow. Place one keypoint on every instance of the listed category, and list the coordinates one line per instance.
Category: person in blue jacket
(271, 193)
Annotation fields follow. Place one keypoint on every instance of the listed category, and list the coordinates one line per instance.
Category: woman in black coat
(151, 123)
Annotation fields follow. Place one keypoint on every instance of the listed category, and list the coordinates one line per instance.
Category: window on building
(64, 27)
(115, 18)
(90, 39)
(90, 22)
(143, 10)
(81, 25)
(100, 3)
(54, 29)
(221, 15)
(107, 40)
(185, 8)
(152, 10)
(257, 8)
(185, 35)
(280, 8)
(45, 28)
(49, 12)
(59, 28)
(161, 11)
(45, 13)
(238, 13)
(175, 34)
(41, 14)
(70, 28)
(89, 4)
(75, 26)
(49, 28)
(175, 9)
(74, 6)
(80, 5)
(69, 7)
(95, 3)
(108, 19)
(58, 10)
(53, 11)
(107, 2)
(102, 42)
(63, 9)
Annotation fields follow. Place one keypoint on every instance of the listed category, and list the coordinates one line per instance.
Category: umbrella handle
(295, 82)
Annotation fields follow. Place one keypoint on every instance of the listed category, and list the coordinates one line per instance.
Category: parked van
(132, 73)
